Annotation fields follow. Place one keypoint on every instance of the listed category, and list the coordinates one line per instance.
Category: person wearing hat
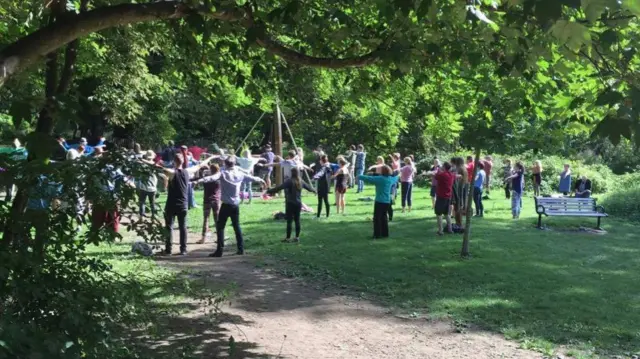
(147, 186)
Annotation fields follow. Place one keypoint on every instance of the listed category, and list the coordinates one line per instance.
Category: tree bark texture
(467, 232)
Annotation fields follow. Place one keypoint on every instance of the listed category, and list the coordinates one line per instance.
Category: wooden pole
(277, 142)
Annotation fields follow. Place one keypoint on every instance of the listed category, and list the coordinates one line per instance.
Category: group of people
(227, 181)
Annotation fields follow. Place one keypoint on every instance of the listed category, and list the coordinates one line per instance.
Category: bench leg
(540, 221)
(598, 227)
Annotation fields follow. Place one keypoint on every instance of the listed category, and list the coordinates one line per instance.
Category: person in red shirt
(444, 192)
(488, 164)
(470, 167)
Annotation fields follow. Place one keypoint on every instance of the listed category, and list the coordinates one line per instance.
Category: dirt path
(276, 317)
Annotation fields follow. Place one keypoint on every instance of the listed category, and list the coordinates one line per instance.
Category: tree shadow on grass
(552, 285)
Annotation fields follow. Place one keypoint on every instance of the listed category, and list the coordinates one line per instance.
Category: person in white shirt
(247, 163)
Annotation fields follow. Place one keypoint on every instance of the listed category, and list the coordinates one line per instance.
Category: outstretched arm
(279, 188)
(307, 187)
(207, 179)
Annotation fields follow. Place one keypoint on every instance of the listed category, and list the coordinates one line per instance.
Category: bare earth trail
(275, 317)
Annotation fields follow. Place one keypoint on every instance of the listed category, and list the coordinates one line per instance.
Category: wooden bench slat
(574, 214)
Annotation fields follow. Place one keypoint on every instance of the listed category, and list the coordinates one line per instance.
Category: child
(477, 189)
(565, 180)
(210, 202)
(506, 173)
(359, 166)
(406, 179)
(445, 179)
(293, 189)
(323, 176)
(517, 185)
(341, 176)
(537, 177)
(383, 185)
(247, 162)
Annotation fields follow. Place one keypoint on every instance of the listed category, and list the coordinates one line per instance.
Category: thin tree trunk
(467, 232)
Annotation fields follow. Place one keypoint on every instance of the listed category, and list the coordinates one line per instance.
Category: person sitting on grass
(583, 187)
(383, 184)
(293, 204)
(444, 178)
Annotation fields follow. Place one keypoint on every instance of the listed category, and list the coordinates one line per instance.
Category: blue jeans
(360, 172)
(192, 197)
(516, 203)
(246, 187)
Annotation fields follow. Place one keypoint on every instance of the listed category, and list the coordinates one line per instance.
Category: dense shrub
(624, 199)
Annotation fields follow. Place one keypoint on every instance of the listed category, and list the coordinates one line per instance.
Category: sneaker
(216, 254)
(201, 241)
(240, 253)
(296, 240)
(286, 240)
(164, 252)
(183, 253)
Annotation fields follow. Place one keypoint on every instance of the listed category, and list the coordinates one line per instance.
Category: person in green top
(383, 184)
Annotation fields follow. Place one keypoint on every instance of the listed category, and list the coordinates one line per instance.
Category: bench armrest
(540, 209)
(600, 209)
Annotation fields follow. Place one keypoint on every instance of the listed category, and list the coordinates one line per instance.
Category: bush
(624, 199)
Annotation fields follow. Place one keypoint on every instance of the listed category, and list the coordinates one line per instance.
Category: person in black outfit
(178, 201)
(323, 176)
(292, 189)
(583, 187)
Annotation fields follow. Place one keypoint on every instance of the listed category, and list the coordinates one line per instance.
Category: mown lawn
(544, 288)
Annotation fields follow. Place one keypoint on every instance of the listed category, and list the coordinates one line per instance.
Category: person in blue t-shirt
(383, 183)
(477, 189)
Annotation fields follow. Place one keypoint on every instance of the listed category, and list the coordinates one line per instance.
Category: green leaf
(482, 17)
(548, 10)
(594, 8)
(608, 38)
(632, 5)
(423, 9)
(609, 97)
(571, 34)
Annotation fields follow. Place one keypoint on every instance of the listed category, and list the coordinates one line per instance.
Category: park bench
(568, 207)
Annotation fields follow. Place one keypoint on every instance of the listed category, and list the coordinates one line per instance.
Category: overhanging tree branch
(33, 47)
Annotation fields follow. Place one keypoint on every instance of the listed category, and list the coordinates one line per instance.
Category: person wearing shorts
(444, 193)
(342, 180)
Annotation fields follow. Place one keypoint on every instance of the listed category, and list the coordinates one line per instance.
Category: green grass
(543, 288)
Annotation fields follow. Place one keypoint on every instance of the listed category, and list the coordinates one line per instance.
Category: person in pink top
(406, 182)
(395, 161)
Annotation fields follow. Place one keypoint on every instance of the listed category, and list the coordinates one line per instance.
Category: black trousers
(292, 213)
(169, 216)
(390, 211)
(323, 197)
(380, 220)
(407, 191)
(507, 191)
(229, 211)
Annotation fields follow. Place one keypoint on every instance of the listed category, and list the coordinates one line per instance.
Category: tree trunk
(467, 232)
(30, 49)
